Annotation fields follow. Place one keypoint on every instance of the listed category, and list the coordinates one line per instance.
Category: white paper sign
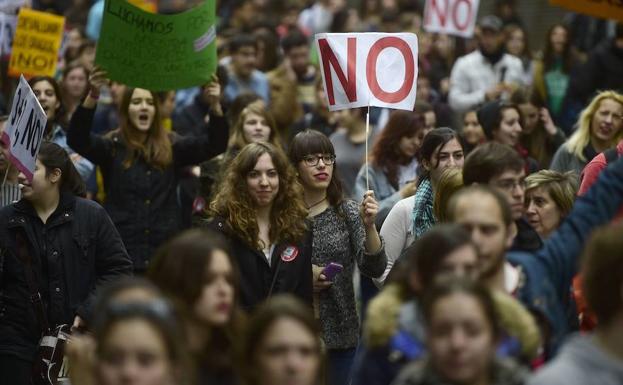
(24, 129)
(455, 17)
(7, 32)
(376, 69)
(11, 6)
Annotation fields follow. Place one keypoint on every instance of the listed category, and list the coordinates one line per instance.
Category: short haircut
(562, 187)
(602, 269)
(488, 161)
(292, 40)
(498, 197)
(240, 41)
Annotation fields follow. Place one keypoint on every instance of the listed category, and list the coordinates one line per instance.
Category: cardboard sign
(7, 32)
(454, 17)
(24, 129)
(607, 9)
(38, 37)
(157, 52)
(376, 69)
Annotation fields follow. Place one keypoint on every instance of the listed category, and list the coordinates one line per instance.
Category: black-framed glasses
(313, 160)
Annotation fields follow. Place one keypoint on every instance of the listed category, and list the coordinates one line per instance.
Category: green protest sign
(157, 52)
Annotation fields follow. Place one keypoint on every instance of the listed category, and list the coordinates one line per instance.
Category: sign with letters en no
(454, 17)
(37, 39)
(376, 69)
(606, 9)
(24, 129)
(157, 52)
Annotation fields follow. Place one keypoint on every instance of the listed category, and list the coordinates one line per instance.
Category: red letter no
(329, 60)
(373, 83)
(455, 14)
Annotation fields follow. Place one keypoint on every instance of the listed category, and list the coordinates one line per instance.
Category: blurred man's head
(243, 50)
(485, 214)
(296, 49)
(500, 167)
(489, 34)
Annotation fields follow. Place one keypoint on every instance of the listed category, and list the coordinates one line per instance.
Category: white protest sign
(369, 69)
(24, 129)
(7, 32)
(11, 6)
(454, 17)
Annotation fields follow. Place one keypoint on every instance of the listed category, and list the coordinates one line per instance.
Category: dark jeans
(14, 371)
(340, 366)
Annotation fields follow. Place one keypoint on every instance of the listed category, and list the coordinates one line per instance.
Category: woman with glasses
(599, 128)
(344, 233)
(259, 209)
(392, 171)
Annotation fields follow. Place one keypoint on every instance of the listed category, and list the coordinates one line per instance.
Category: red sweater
(592, 171)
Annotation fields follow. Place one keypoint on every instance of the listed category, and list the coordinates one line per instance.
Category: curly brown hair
(234, 203)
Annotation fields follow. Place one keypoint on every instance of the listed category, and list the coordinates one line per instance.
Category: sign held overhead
(369, 69)
(454, 17)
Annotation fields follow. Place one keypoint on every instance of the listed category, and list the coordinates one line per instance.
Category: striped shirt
(9, 194)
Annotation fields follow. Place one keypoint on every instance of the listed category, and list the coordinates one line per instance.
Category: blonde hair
(450, 181)
(237, 139)
(562, 187)
(582, 135)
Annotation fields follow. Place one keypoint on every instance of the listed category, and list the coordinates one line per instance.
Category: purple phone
(331, 270)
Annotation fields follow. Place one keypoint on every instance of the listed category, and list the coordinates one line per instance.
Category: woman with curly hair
(259, 208)
(392, 170)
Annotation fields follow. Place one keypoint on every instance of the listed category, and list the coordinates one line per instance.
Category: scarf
(423, 217)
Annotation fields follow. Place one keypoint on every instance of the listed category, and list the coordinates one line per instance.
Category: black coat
(602, 71)
(141, 199)
(77, 250)
(284, 274)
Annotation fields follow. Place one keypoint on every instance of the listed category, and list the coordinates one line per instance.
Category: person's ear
(426, 165)
(55, 175)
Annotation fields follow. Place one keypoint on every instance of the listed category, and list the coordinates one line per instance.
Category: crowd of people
(238, 233)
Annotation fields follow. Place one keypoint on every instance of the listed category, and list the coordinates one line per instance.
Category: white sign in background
(7, 32)
(24, 129)
(454, 17)
(375, 69)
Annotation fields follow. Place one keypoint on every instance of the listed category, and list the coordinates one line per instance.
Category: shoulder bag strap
(35, 295)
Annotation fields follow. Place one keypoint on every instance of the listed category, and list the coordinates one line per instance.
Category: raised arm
(79, 136)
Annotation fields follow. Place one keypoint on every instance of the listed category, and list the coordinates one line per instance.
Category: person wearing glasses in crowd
(343, 232)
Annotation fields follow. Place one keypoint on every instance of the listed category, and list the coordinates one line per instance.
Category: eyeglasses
(312, 160)
(511, 184)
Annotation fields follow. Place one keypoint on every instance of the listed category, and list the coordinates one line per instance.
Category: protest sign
(607, 9)
(375, 69)
(24, 129)
(11, 6)
(37, 39)
(145, 5)
(157, 52)
(7, 31)
(454, 17)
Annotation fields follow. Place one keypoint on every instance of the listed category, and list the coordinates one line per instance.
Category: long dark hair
(60, 113)
(52, 156)
(314, 142)
(549, 56)
(433, 142)
(386, 153)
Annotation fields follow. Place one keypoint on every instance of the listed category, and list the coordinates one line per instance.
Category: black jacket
(285, 274)
(602, 71)
(142, 199)
(73, 253)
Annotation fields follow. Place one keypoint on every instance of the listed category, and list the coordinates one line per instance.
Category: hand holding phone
(331, 270)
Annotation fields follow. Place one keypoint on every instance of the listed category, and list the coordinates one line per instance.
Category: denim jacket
(549, 271)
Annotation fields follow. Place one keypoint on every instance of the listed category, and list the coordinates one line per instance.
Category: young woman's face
(76, 82)
(515, 45)
(445, 156)
(460, 339)
(134, 353)
(542, 212)
(216, 300)
(510, 129)
(558, 38)
(41, 184)
(472, 130)
(255, 128)
(142, 109)
(316, 177)
(409, 145)
(462, 262)
(530, 115)
(263, 181)
(606, 122)
(49, 100)
(288, 354)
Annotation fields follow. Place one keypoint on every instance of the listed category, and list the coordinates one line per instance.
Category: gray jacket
(581, 362)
